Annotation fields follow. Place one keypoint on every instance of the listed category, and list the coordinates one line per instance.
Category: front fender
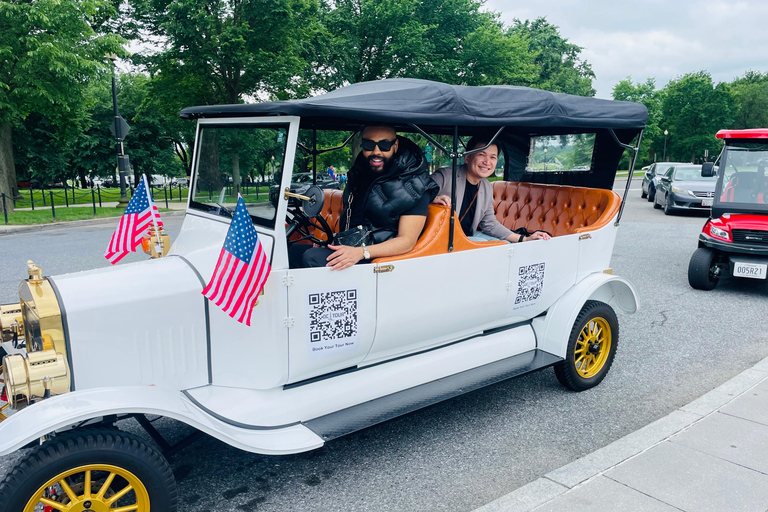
(554, 329)
(61, 412)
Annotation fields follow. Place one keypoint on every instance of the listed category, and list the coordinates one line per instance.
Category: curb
(12, 230)
(566, 478)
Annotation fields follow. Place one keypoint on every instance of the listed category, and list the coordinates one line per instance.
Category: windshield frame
(206, 210)
(719, 207)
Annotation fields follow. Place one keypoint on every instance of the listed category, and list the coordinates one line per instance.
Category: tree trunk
(7, 168)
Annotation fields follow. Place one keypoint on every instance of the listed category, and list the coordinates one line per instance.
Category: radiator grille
(750, 236)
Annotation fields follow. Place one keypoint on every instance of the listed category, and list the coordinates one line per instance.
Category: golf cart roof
(406, 101)
(754, 133)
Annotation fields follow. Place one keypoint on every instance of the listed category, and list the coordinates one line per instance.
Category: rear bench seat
(559, 210)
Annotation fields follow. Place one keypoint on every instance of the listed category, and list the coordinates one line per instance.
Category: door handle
(383, 268)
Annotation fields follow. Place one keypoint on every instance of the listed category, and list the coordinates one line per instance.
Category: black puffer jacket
(394, 192)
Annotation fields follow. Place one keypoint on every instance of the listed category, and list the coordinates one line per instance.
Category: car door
(331, 319)
(664, 185)
(425, 302)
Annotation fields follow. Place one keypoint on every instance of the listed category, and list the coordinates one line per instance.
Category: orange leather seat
(331, 212)
(559, 210)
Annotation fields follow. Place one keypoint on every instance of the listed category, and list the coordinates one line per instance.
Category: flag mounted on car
(138, 216)
(242, 268)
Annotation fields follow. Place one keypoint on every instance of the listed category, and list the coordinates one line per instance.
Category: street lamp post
(119, 129)
(664, 158)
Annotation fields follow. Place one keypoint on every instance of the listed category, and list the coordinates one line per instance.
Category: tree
(49, 49)
(450, 41)
(645, 93)
(560, 68)
(694, 109)
(751, 94)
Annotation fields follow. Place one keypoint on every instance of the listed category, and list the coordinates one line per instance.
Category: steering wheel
(304, 217)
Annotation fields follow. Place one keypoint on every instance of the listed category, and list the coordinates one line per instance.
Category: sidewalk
(710, 455)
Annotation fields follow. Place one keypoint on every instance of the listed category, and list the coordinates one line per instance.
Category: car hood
(696, 185)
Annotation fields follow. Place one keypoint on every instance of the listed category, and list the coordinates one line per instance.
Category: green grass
(83, 196)
(62, 215)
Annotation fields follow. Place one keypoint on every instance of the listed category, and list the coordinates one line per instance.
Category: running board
(376, 411)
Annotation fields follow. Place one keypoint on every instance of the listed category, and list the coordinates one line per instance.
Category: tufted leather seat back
(331, 211)
(559, 210)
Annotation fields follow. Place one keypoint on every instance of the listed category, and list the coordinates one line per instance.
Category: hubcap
(592, 347)
(92, 488)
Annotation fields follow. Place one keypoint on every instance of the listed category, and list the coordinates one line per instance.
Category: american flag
(140, 213)
(242, 268)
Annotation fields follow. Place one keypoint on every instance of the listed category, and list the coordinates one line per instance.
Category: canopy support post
(454, 158)
(635, 150)
(314, 156)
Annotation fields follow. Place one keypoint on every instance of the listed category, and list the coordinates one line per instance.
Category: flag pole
(158, 246)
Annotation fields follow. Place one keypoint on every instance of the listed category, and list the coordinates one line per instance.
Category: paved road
(466, 452)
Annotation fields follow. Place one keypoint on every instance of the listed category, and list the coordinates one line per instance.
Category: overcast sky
(655, 38)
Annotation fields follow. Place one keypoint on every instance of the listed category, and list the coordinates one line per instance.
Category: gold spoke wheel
(94, 491)
(592, 347)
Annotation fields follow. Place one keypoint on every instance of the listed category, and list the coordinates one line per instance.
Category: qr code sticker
(332, 315)
(530, 282)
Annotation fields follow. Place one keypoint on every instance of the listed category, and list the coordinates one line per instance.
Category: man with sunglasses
(388, 191)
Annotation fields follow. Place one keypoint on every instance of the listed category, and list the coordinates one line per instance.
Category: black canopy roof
(404, 101)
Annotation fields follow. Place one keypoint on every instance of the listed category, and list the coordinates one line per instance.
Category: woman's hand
(539, 235)
(444, 200)
(344, 256)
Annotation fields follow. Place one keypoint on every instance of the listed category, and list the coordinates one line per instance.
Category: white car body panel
(137, 324)
(61, 412)
(553, 330)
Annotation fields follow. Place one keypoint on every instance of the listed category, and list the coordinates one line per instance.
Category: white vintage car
(327, 353)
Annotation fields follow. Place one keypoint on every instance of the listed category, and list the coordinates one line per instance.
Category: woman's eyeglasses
(384, 144)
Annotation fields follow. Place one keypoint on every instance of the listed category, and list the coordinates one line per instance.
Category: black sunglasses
(384, 144)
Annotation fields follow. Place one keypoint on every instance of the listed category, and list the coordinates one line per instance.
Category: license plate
(707, 201)
(752, 270)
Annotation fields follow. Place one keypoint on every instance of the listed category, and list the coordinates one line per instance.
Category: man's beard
(387, 164)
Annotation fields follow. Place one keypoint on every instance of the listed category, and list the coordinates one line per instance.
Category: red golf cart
(734, 241)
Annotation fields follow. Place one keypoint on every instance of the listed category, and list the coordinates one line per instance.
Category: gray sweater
(484, 218)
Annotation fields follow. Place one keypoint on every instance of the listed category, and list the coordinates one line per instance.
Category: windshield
(240, 159)
(743, 174)
(691, 173)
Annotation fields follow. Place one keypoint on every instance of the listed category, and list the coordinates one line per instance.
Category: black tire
(702, 272)
(92, 448)
(656, 204)
(668, 210)
(643, 194)
(651, 194)
(574, 372)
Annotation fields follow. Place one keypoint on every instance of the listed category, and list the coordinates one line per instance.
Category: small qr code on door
(332, 315)
(530, 282)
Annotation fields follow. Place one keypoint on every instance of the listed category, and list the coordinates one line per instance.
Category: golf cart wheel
(97, 470)
(703, 271)
(591, 347)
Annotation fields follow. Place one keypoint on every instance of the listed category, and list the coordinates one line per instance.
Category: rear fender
(61, 412)
(554, 329)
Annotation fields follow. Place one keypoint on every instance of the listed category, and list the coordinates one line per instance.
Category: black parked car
(652, 176)
(301, 182)
(682, 187)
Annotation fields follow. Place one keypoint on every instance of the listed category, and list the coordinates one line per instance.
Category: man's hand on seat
(344, 256)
